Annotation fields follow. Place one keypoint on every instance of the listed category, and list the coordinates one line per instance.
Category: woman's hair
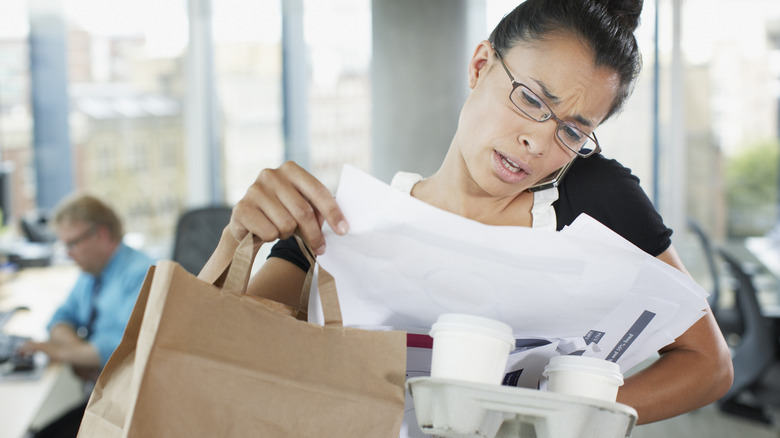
(606, 25)
(90, 210)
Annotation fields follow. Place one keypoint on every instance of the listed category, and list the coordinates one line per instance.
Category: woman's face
(504, 151)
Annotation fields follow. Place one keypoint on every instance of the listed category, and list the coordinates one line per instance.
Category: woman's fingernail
(320, 251)
(342, 227)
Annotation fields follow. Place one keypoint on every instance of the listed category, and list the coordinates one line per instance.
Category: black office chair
(709, 257)
(756, 385)
(35, 227)
(197, 235)
(727, 317)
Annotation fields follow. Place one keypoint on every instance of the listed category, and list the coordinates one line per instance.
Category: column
(49, 98)
(420, 55)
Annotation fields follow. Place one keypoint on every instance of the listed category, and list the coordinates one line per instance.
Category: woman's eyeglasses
(574, 138)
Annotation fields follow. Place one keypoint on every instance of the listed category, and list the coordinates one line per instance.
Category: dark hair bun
(625, 11)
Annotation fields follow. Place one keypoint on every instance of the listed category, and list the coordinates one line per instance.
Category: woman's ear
(479, 62)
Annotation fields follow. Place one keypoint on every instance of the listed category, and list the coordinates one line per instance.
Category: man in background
(88, 326)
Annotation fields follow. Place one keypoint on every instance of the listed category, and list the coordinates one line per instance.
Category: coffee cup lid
(474, 323)
(584, 363)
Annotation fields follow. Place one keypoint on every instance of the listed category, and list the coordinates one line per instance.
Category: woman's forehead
(562, 69)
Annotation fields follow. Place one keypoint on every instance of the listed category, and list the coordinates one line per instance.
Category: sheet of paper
(404, 263)
(584, 290)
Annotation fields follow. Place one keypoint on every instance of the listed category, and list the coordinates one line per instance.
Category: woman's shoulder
(610, 193)
(599, 169)
(600, 180)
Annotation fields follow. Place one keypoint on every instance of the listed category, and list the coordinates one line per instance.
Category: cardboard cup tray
(450, 408)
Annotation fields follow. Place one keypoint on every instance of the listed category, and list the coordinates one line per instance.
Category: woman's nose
(535, 147)
(538, 139)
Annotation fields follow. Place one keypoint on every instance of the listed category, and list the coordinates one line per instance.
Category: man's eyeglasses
(71, 244)
(578, 141)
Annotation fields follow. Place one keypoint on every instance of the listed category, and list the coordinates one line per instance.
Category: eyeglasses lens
(526, 101)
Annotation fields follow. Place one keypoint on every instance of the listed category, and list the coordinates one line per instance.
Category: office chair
(709, 257)
(754, 387)
(727, 317)
(35, 227)
(197, 235)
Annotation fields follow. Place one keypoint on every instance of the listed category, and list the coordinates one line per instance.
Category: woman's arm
(692, 372)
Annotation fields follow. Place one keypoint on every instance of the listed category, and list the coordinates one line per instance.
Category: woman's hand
(286, 200)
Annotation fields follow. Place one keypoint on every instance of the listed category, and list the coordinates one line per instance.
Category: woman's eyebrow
(582, 120)
(547, 93)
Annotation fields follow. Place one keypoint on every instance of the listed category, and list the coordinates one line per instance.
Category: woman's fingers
(285, 200)
(318, 205)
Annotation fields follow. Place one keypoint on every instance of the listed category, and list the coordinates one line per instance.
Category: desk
(767, 251)
(21, 401)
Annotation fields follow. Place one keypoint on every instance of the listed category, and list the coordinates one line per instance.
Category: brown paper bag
(201, 361)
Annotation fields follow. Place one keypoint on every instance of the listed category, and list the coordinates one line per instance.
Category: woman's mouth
(511, 165)
(509, 170)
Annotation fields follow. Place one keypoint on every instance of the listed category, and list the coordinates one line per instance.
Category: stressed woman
(525, 153)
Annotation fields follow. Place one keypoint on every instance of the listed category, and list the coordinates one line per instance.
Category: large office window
(128, 96)
(15, 113)
(732, 52)
(248, 69)
(700, 130)
(338, 41)
(334, 52)
(125, 88)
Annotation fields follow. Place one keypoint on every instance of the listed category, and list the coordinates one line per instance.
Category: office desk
(23, 401)
(767, 251)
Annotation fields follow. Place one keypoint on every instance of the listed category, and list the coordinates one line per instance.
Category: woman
(552, 71)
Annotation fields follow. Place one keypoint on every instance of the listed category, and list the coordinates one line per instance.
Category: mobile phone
(553, 179)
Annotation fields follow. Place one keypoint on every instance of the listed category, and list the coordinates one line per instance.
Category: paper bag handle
(239, 271)
(326, 285)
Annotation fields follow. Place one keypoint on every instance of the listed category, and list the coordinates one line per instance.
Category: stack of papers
(584, 290)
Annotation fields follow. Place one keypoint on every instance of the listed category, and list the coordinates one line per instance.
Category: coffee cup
(470, 348)
(583, 376)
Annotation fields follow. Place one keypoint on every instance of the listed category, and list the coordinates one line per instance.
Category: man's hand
(65, 346)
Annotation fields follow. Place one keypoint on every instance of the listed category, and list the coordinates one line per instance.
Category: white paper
(404, 263)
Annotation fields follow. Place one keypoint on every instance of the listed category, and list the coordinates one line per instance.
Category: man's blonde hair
(91, 210)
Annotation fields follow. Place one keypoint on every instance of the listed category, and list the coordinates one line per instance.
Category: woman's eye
(572, 134)
(530, 100)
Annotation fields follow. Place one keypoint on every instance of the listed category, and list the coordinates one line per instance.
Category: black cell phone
(553, 180)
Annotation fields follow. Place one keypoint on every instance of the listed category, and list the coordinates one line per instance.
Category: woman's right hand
(284, 201)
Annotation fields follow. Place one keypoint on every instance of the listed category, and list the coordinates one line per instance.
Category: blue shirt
(121, 281)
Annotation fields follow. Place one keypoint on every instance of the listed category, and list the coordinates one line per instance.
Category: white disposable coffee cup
(470, 348)
(584, 376)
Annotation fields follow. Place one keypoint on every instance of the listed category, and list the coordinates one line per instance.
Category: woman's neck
(454, 191)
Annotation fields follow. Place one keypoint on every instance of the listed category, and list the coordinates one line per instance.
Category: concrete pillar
(295, 84)
(419, 79)
(49, 85)
(204, 152)
(674, 211)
